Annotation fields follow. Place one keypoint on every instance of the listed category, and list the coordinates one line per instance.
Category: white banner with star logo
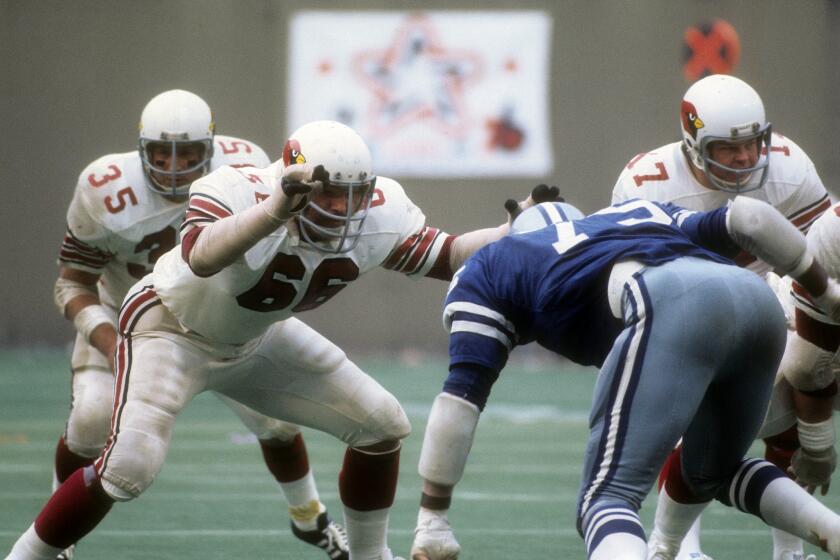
(435, 94)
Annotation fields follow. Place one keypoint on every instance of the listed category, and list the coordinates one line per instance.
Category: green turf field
(214, 498)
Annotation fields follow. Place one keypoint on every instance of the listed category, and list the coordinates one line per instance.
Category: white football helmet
(175, 118)
(724, 108)
(347, 161)
(545, 214)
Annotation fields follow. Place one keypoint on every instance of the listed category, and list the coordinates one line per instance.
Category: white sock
(784, 542)
(303, 500)
(674, 522)
(620, 546)
(30, 547)
(691, 541)
(367, 533)
(786, 506)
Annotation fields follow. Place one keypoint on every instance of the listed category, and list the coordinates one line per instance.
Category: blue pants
(696, 359)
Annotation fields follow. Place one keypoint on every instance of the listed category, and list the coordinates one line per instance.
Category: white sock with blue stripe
(614, 532)
(762, 489)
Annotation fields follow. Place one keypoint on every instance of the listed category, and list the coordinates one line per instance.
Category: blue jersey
(550, 285)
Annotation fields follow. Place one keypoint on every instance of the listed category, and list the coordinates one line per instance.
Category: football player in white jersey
(126, 212)
(218, 312)
(729, 148)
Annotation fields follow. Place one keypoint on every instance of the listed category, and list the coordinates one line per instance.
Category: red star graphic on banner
(416, 78)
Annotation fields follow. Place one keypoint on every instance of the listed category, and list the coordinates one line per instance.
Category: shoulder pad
(235, 188)
(113, 189)
(236, 152)
(788, 162)
(392, 211)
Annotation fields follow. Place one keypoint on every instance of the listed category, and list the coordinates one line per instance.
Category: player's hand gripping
(434, 540)
(298, 184)
(540, 193)
(813, 469)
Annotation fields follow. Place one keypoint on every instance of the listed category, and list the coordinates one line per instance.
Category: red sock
(286, 461)
(67, 462)
(369, 482)
(779, 449)
(673, 459)
(675, 484)
(73, 510)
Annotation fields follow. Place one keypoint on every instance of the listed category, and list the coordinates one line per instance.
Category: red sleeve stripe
(441, 269)
(423, 254)
(420, 253)
(187, 242)
(399, 254)
(808, 215)
(75, 251)
(412, 251)
(214, 200)
(193, 213)
(189, 224)
(207, 205)
(195, 217)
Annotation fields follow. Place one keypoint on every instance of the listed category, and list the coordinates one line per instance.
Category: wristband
(818, 436)
(90, 317)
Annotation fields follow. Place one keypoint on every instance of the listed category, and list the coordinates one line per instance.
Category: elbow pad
(448, 439)
(761, 230)
(806, 366)
(65, 290)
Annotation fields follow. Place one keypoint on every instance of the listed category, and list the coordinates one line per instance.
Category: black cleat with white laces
(329, 537)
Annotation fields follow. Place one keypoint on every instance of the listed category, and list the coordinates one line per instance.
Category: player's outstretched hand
(541, 193)
(813, 469)
(298, 183)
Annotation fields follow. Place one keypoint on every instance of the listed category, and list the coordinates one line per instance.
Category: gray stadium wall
(75, 75)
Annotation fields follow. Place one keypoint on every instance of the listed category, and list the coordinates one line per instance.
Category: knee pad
(131, 464)
(387, 421)
(90, 416)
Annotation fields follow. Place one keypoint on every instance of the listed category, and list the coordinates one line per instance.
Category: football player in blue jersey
(687, 344)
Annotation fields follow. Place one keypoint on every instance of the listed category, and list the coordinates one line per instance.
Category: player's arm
(468, 243)
(214, 246)
(436, 254)
(82, 259)
(76, 297)
(761, 230)
(446, 445)
(480, 338)
(808, 365)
